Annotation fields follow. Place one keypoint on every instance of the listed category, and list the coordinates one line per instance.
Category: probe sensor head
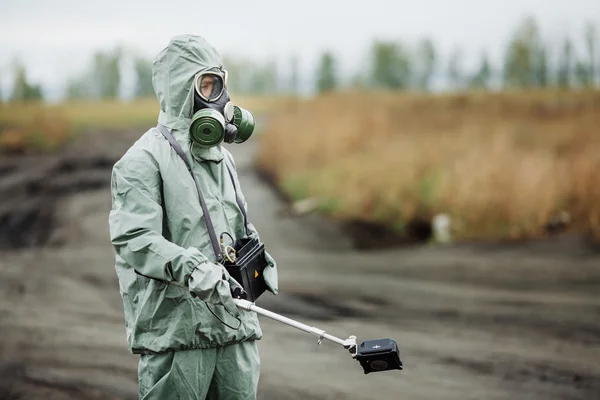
(378, 355)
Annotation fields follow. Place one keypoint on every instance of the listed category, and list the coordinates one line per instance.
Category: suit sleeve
(136, 221)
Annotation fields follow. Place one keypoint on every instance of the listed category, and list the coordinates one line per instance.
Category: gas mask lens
(210, 86)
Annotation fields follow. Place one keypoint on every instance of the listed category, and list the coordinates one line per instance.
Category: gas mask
(215, 118)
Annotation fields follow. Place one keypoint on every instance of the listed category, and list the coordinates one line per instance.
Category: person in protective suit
(180, 318)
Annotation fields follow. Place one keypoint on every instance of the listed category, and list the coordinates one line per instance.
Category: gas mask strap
(211, 230)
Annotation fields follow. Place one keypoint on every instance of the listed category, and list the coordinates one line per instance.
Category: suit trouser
(222, 373)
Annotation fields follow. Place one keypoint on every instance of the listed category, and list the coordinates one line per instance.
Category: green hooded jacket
(157, 226)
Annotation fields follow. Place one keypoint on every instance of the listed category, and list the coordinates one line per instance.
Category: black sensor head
(378, 355)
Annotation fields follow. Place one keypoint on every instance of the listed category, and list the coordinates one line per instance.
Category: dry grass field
(500, 164)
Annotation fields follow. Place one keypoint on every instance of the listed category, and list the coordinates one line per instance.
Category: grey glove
(210, 283)
(270, 274)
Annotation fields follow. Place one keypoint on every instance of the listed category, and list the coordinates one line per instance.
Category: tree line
(529, 61)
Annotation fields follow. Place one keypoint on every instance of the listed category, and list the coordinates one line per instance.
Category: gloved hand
(270, 274)
(210, 283)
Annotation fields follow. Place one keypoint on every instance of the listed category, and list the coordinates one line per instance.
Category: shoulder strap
(211, 230)
(238, 199)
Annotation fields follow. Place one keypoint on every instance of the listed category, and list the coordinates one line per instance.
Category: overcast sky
(55, 38)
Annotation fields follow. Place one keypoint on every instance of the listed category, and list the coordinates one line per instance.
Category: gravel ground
(493, 321)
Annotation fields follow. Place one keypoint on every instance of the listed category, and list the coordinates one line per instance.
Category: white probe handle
(321, 334)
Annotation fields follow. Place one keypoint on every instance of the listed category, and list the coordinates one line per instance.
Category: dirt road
(472, 321)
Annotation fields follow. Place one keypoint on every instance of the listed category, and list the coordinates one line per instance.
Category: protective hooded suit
(178, 310)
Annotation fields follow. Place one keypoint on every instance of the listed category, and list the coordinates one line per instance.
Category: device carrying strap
(209, 224)
(211, 230)
(239, 201)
